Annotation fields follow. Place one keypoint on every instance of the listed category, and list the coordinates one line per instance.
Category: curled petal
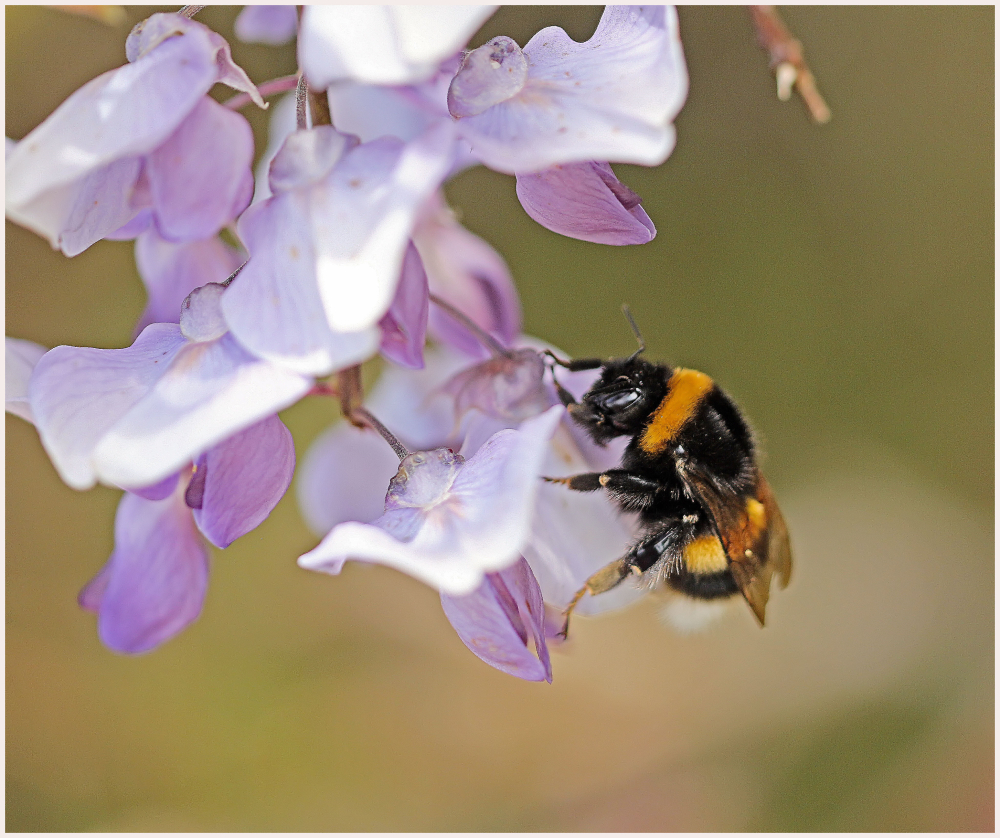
(510, 388)
(200, 177)
(201, 317)
(244, 478)
(172, 271)
(585, 201)
(154, 584)
(20, 358)
(78, 394)
(382, 44)
(272, 25)
(460, 523)
(491, 74)
(494, 621)
(404, 325)
(610, 98)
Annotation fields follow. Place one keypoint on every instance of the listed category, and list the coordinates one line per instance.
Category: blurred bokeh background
(837, 280)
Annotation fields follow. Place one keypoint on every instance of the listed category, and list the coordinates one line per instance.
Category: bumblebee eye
(618, 401)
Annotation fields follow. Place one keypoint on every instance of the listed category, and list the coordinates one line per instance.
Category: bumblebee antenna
(635, 330)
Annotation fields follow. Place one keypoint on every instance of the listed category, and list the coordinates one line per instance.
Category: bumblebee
(710, 525)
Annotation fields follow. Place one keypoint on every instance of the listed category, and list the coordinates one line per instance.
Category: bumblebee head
(622, 399)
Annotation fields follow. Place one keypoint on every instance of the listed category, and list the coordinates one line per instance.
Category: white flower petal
(20, 358)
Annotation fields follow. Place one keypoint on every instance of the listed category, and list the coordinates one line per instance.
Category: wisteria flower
(132, 417)
(382, 44)
(154, 584)
(143, 140)
(611, 98)
(326, 250)
(20, 359)
(273, 25)
(448, 520)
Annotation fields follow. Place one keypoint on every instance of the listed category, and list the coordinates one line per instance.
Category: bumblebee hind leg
(608, 577)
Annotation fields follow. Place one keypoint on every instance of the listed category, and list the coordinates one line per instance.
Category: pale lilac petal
(382, 44)
(20, 358)
(155, 581)
(404, 326)
(90, 596)
(200, 176)
(210, 391)
(78, 394)
(307, 157)
(585, 201)
(466, 272)
(280, 126)
(477, 520)
(121, 114)
(274, 308)
(244, 478)
(489, 75)
(491, 622)
(201, 317)
(272, 25)
(134, 228)
(103, 203)
(610, 98)
(511, 387)
(172, 271)
(362, 223)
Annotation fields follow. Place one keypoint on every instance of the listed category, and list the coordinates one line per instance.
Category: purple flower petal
(154, 584)
(466, 272)
(200, 176)
(382, 44)
(78, 394)
(245, 477)
(491, 621)
(104, 202)
(448, 522)
(510, 388)
(610, 98)
(585, 201)
(272, 25)
(158, 491)
(172, 271)
(404, 326)
(489, 75)
(20, 359)
(210, 391)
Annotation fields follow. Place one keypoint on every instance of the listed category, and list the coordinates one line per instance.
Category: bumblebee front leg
(565, 396)
(608, 577)
(632, 490)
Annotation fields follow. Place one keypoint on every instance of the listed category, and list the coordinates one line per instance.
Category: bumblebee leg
(575, 365)
(632, 490)
(605, 579)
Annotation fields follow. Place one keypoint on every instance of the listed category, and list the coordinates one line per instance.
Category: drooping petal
(494, 620)
(272, 25)
(585, 201)
(244, 478)
(610, 98)
(154, 584)
(404, 325)
(210, 391)
(172, 271)
(158, 491)
(77, 394)
(382, 44)
(448, 522)
(20, 358)
(466, 272)
(200, 176)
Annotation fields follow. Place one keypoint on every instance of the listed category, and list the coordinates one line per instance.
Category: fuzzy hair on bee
(710, 527)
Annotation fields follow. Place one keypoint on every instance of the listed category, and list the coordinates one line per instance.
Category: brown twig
(190, 11)
(787, 61)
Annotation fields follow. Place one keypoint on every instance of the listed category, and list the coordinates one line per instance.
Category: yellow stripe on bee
(705, 555)
(685, 390)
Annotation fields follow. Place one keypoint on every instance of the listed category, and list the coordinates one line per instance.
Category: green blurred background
(838, 280)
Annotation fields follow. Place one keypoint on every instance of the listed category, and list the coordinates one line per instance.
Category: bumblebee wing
(751, 530)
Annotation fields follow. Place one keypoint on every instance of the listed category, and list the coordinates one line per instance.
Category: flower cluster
(344, 249)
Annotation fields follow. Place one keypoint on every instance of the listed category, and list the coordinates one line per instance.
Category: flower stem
(484, 337)
(268, 88)
(190, 11)
(365, 416)
(301, 95)
(228, 281)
